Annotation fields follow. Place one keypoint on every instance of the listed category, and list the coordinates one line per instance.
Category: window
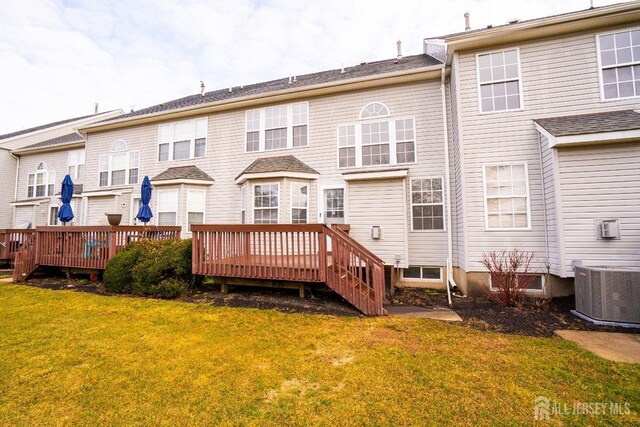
(243, 204)
(619, 57)
(427, 204)
(168, 207)
(499, 81)
(120, 167)
(299, 203)
(506, 191)
(535, 281)
(376, 142)
(374, 109)
(276, 128)
(195, 207)
(42, 182)
(423, 273)
(135, 206)
(182, 140)
(53, 215)
(265, 203)
(75, 162)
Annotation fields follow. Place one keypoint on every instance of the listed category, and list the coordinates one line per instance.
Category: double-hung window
(167, 207)
(299, 203)
(195, 207)
(182, 140)
(42, 182)
(75, 162)
(499, 81)
(243, 204)
(427, 204)
(120, 167)
(377, 139)
(277, 127)
(506, 192)
(266, 202)
(619, 58)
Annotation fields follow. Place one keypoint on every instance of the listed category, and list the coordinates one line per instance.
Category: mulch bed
(479, 313)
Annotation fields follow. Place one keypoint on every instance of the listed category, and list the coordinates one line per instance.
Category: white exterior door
(332, 205)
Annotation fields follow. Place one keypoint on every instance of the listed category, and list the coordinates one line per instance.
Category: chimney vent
(295, 79)
(95, 108)
(467, 25)
(399, 44)
(201, 88)
(290, 79)
(342, 71)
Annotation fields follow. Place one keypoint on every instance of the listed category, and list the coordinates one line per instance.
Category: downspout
(15, 188)
(547, 260)
(451, 284)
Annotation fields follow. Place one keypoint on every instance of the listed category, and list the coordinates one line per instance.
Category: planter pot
(114, 219)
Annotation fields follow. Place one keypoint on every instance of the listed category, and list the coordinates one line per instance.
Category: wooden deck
(11, 240)
(85, 247)
(292, 252)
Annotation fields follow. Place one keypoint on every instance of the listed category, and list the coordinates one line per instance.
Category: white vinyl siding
(266, 203)
(196, 202)
(506, 192)
(619, 59)
(276, 128)
(182, 140)
(167, 207)
(427, 204)
(499, 82)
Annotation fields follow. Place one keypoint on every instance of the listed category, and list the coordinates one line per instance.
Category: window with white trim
(167, 207)
(120, 167)
(619, 55)
(182, 140)
(499, 81)
(277, 127)
(376, 142)
(427, 204)
(433, 274)
(75, 164)
(299, 203)
(506, 192)
(266, 202)
(53, 215)
(243, 204)
(42, 182)
(195, 207)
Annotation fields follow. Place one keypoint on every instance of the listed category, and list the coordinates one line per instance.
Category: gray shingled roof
(613, 121)
(41, 127)
(278, 164)
(182, 172)
(362, 70)
(64, 139)
(77, 189)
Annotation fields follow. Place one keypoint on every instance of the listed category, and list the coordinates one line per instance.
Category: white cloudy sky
(57, 58)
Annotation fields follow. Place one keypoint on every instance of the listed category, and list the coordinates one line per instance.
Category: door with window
(332, 209)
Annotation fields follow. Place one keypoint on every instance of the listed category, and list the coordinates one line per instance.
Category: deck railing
(291, 252)
(11, 240)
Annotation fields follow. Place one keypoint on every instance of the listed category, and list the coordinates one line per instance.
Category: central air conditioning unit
(608, 294)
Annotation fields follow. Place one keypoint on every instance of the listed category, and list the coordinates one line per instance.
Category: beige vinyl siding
(55, 160)
(559, 77)
(7, 178)
(549, 166)
(375, 203)
(600, 182)
(226, 158)
(24, 214)
(97, 207)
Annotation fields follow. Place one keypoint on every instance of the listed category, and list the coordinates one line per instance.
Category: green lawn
(77, 359)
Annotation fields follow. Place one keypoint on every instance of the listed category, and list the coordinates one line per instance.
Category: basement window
(433, 274)
(537, 284)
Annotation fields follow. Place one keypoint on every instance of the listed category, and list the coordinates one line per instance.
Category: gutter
(451, 284)
(396, 77)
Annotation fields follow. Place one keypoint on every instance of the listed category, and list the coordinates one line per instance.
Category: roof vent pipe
(95, 108)
(399, 44)
(295, 79)
(467, 25)
(201, 88)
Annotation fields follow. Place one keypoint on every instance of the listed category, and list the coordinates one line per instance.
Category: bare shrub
(511, 274)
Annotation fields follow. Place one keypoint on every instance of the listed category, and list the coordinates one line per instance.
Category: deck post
(302, 290)
(111, 238)
(224, 286)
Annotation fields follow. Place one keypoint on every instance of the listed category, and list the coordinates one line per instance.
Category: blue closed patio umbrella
(65, 213)
(144, 213)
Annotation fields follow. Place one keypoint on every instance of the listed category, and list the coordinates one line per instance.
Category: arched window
(41, 182)
(120, 145)
(374, 109)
